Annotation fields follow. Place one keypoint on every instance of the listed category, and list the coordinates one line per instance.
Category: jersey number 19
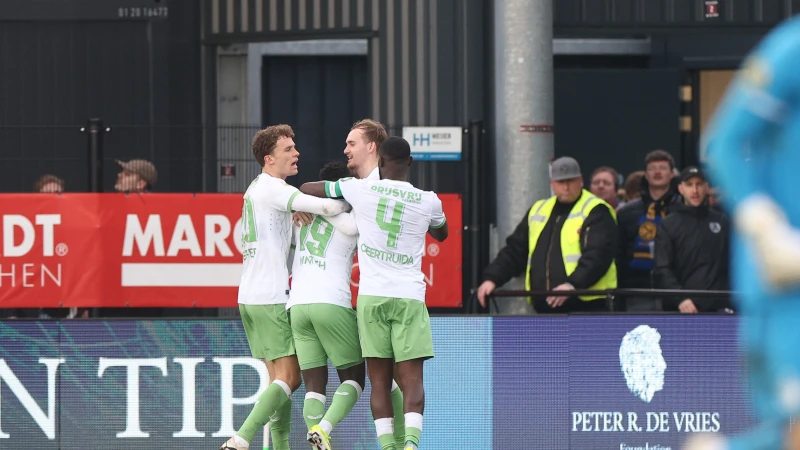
(321, 231)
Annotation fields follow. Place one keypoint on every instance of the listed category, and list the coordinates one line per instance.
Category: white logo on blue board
(642, 363)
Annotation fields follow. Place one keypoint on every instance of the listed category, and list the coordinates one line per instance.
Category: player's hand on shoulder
(302, 218)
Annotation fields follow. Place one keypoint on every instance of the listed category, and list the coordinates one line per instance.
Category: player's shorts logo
(642, 363)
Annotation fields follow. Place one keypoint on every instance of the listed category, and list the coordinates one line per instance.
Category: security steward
(563, 243)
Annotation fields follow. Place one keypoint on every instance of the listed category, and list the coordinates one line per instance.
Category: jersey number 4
(321, 231)
(394, 225)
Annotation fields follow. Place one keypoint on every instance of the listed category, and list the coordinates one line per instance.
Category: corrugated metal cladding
(417, 48)
(671, 13)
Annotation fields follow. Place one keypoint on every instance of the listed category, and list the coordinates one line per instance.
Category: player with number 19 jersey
(393, 218)
(323, 261)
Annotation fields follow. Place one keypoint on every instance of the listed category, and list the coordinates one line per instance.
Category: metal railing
(611, 295)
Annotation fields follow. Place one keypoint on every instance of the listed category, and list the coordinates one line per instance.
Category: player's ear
(410, 160)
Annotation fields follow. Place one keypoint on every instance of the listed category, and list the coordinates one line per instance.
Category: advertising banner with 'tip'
(153, 250)
(552, 383)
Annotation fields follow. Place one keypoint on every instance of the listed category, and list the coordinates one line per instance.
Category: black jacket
(692, 253)
(598, 243)
(628, 219)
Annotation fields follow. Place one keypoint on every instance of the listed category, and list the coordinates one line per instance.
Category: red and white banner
(177, 250)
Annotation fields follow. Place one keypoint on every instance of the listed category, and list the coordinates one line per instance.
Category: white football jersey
(323, 262)
(393, 218)
(375, 174)
(266, 239)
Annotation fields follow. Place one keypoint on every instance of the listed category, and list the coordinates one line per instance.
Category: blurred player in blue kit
(753, 155)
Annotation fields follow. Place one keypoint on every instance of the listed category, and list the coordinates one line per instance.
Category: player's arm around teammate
(264, 287)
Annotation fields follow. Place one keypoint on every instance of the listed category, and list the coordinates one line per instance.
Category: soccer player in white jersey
(322, 316)
(361, 149)
(264, 286)
(393, 218)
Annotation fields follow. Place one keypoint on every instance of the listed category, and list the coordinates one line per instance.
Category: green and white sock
(281, 427)
(399, 418)
(267, 407)
(385, 430)
(343, 402)
(413, 430)
(313, 408)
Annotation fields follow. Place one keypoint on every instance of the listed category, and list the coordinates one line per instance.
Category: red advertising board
(176, 250)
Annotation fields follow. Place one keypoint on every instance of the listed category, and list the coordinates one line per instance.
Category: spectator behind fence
(563, 243)
(48, 183)
(692, 248)
(638, 222)
(137, 175)
(604, 184)
(45, 184)
(631, 188)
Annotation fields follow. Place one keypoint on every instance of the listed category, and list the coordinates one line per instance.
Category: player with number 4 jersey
(393, 219)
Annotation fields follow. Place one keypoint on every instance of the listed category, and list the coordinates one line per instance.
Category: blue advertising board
(617, 382)
(600, 382)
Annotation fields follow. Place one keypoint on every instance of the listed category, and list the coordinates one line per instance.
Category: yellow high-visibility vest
(570, 238)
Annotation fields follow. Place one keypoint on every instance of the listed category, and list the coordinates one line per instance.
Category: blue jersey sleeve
(754, 109)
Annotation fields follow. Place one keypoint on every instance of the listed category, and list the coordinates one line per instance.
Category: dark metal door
(320, 97)
(615, 117)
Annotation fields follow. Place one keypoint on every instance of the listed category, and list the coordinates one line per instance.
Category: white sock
(326, 426)
(240, 442)
(384, 426)
(284, 386)
(414, 420)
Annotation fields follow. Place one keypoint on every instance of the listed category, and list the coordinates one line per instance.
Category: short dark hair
(265, 140)
(659, 155)
(633, 185)
(47, 179)
(611, 170)
(395, 149)
(334, 171)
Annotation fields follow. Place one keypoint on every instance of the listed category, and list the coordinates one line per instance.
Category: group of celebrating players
(366, 205)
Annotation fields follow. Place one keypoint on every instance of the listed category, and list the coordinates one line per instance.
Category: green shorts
(268, 331)
(398, 328)
(323, 331)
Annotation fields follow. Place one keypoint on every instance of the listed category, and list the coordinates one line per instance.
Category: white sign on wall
(434, 143)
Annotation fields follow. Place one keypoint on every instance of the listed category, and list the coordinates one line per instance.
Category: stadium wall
(550, 382)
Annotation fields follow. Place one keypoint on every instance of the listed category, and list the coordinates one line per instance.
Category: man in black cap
(691, 248)
(565, 242)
